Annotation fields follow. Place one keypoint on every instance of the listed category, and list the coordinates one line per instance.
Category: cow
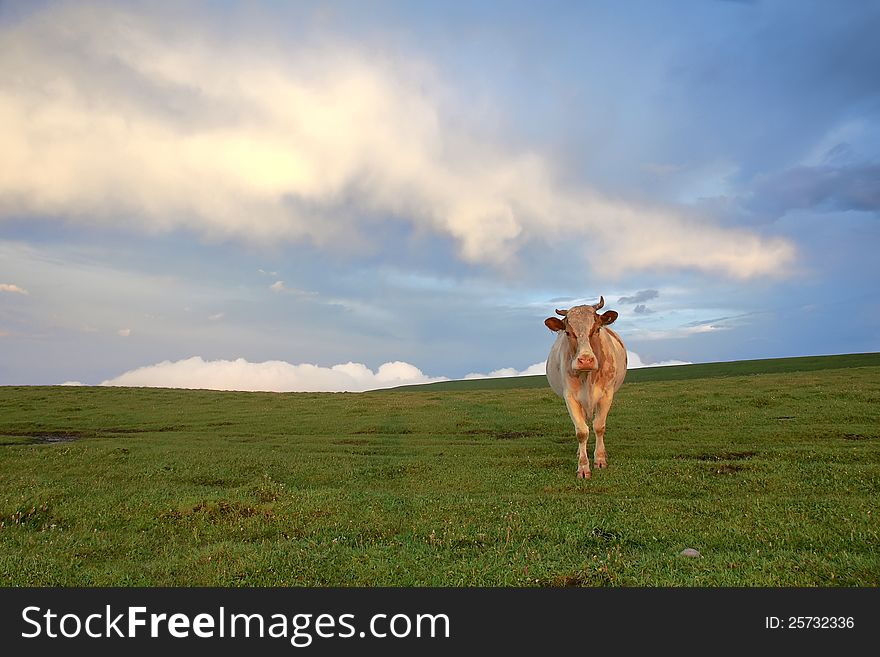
(586, 366)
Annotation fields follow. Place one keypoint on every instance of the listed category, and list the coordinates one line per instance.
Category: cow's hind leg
(600, 456)
(576, 411)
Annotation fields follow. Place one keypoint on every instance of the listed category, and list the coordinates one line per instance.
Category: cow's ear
(554, 324)
(608, 317)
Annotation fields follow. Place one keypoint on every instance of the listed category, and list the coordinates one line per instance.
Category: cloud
(531, 370)
(634, 361)
(124, 332)
(271, 376)
(678, 332)
(642, 309)
(13, 289)
(216, 317)
(825, 187)
(661, 169)
(281, 376)
(108, 113)
(279, 287)
(640, 297)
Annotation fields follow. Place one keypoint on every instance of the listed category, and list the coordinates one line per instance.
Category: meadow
(771, 471)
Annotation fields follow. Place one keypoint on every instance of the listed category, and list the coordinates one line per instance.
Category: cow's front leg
(600, 457)
(576, 411)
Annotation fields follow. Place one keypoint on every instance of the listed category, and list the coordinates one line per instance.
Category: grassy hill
(774, 477)
(676, 372)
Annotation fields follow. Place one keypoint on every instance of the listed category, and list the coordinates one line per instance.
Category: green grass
(773, 477)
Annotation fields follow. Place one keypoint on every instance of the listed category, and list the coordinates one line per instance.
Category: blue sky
(351, 195)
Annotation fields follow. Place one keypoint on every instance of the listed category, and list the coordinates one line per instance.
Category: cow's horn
(561, 312)
(600, 304)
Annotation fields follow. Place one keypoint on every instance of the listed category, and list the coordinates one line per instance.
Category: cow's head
(581, 325)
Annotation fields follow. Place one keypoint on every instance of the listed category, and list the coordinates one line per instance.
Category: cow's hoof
(600, 463)
(583, 473)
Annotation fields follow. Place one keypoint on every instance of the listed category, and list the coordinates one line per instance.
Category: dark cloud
(642, 309)
(848, 187)
(640, 297)
(841, 183)
(775, 79)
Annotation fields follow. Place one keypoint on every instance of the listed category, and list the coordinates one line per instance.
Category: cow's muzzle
(585, 364)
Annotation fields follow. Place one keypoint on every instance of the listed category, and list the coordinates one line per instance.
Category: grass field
(773, 475)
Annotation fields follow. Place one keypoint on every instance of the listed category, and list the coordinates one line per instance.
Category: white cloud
(124, 332)
(216, 317)
(280, 287)
(679, 332)
(634, 361)
(703, 328)
(537, 368)
(108, 113)
(281, 376)
(14, 289)
(273, 376)
(73, 383)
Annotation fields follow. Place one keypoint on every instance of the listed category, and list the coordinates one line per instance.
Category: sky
(350, 195)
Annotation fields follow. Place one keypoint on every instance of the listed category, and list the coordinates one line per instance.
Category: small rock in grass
(690, 552)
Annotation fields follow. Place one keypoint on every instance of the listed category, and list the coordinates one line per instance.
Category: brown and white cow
(586, 366)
